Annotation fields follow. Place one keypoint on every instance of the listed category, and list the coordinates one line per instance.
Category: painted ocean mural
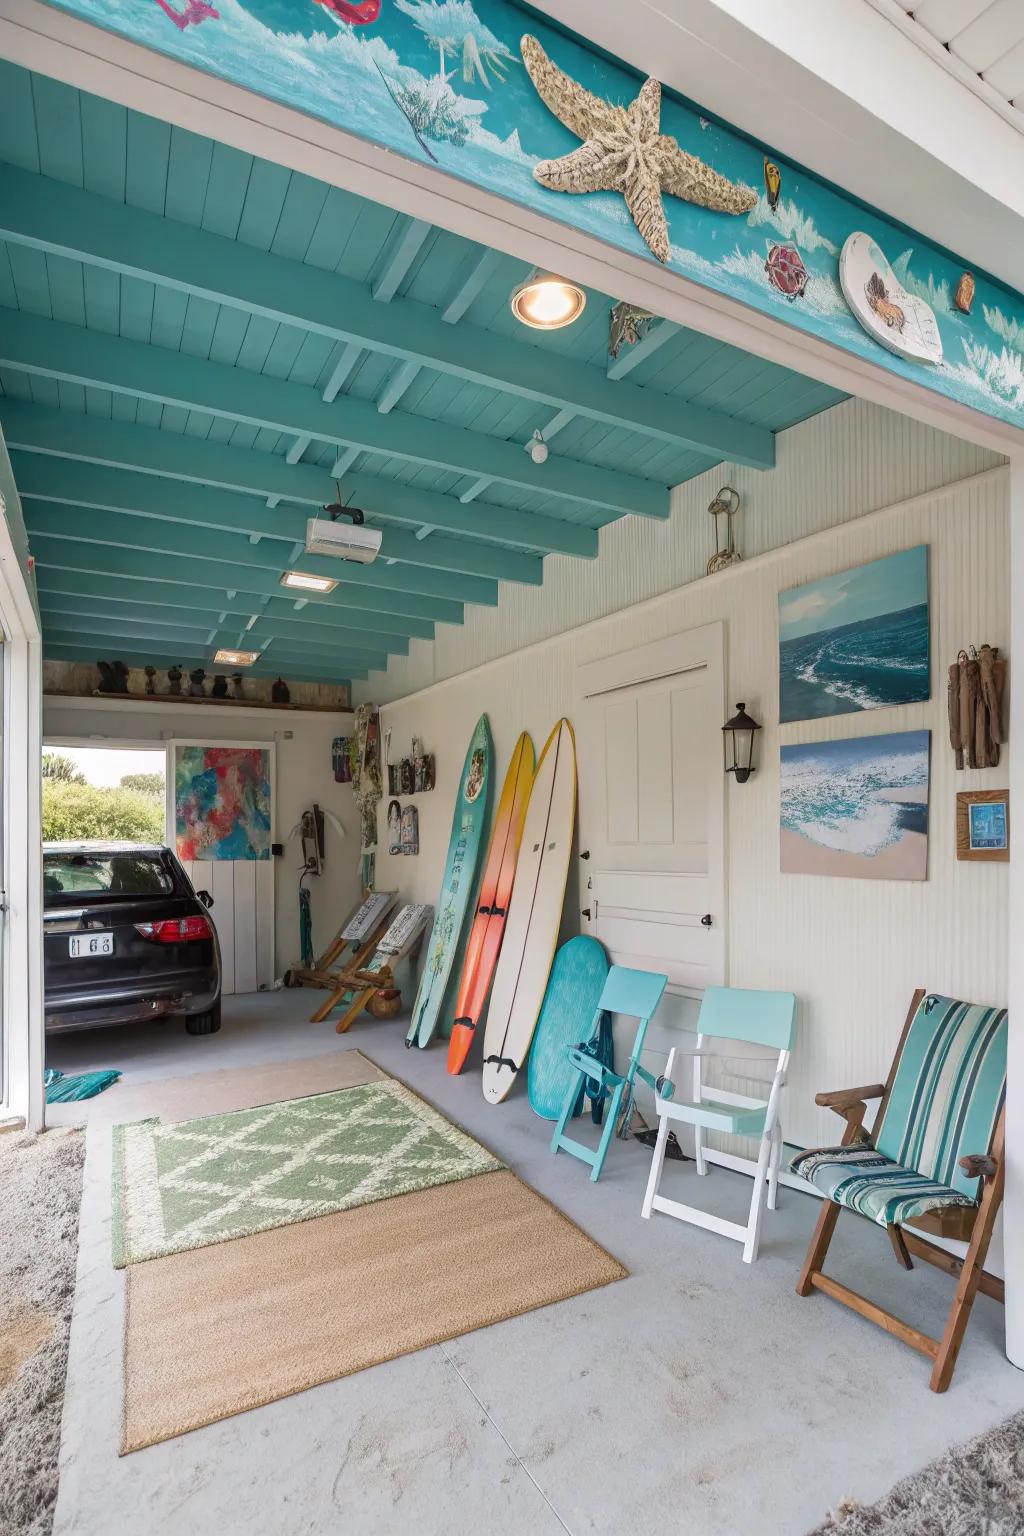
(856, 640)
(856, 808)
(441, 81)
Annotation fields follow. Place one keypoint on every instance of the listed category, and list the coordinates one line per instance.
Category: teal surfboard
(469, 824)
(566, 1020)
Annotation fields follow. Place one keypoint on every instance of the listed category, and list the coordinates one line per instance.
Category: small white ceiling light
(537, 448)
(307, 583)
(237, 658)
(546, 302)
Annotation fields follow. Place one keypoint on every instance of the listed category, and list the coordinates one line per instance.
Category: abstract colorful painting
(857, 807)
(856, 640)
(443, 82)
(222, 802)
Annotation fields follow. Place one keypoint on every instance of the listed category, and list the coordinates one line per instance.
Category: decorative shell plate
(896, 319)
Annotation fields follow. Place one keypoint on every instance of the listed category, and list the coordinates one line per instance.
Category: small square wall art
(857, 808)
(856, 640)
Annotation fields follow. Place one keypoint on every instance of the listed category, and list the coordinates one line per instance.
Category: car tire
(205, 1023)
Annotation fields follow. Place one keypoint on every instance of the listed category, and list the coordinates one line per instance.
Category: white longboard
(534, 915)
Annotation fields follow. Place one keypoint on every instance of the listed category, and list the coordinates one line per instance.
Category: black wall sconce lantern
(738, 744)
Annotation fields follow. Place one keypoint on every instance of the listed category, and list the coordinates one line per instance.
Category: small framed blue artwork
(983, 824)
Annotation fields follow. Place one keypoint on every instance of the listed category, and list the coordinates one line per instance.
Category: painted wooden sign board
(442, 82)
(363, 921)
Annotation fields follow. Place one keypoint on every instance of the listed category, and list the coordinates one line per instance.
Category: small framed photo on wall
(983, 824)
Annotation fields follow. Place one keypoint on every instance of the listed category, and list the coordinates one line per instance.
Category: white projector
(345, 541)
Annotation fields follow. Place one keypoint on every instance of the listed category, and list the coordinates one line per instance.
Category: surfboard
(534, 914)
(488, 928)
(566, 1019)
(468, 823)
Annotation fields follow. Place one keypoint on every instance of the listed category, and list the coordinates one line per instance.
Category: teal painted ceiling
(193, 342)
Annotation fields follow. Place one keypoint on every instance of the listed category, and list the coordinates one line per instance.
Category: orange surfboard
(495, 888)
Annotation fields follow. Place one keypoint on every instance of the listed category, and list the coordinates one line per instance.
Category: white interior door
(242, 888)
(652, 806)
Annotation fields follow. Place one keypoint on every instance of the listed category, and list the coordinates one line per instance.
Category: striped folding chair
(933, 1163)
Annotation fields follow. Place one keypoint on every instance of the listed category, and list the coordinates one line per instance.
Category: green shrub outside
(72, 811)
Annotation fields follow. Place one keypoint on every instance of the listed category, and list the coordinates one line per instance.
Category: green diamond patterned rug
(189, 1183)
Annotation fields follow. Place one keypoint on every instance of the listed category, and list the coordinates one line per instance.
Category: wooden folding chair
(359, 981)
(356, 936)
(759, 1018)
(938, 1131)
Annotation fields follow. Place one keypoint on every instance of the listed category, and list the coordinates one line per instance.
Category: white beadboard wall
(853, 950)
(842, 463)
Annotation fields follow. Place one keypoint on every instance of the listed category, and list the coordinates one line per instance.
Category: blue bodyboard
(566, 1019)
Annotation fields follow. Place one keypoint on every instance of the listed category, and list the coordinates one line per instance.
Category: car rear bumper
(95, 1009)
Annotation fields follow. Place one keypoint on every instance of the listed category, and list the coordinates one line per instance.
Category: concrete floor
(699, 1395)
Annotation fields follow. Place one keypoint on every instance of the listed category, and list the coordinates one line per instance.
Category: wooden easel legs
(970, 1272)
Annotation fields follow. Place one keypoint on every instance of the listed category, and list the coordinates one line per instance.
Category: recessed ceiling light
(546, 302)
(237, 658)
(308, 583)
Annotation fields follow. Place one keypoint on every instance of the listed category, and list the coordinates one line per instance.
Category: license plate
(82, 945)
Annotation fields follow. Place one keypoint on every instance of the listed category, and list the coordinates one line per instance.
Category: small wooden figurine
(113, 677)
(174, 680)
(220, 687)
(280, 693)
(196, 679)
(150, 679)
(236, 686)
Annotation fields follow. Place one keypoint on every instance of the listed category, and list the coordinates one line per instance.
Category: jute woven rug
(187, 1183)
(218, 1330)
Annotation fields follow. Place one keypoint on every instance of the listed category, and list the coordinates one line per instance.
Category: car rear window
(105, 874)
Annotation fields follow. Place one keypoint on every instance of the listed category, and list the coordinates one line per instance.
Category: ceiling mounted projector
(344, 541)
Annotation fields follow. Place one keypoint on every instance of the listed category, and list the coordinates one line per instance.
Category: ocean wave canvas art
(222, 802)
(856, 640)
(856, 807)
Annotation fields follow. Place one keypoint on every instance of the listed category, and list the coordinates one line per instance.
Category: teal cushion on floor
(865, 1180)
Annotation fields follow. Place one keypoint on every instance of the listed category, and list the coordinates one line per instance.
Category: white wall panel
(838, 465)
(245, 924)
(853, 950)
(220, 882)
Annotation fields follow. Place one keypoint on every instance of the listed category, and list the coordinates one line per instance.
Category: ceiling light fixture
(236, 658)
(546, 303)
(307, 583)
(537, 448)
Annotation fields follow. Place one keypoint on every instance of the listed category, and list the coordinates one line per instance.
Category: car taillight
(175, 930)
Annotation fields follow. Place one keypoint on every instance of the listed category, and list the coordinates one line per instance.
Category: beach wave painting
(856, 808)
(856, 640)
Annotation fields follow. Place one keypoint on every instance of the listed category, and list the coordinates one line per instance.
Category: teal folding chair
(635, 994)
(758, 1018)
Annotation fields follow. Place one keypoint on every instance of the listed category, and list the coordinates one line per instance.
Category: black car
(126, 938)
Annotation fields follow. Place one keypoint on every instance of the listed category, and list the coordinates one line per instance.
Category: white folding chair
(756, 1018)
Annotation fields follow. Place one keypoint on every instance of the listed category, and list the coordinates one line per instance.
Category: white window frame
(22, 935)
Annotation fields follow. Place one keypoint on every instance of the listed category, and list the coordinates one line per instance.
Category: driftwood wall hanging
(977, 681)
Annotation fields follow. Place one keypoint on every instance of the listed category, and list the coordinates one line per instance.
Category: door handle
(707, 920)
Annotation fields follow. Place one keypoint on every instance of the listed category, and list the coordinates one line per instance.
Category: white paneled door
(652, 806)
(242, 886)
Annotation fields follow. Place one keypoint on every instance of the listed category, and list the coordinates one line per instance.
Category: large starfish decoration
(624, 150)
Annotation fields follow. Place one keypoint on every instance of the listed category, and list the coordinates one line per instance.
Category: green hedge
(73, 811)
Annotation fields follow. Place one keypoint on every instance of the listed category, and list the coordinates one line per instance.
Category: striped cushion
(948, 1091)
(872, 1184)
